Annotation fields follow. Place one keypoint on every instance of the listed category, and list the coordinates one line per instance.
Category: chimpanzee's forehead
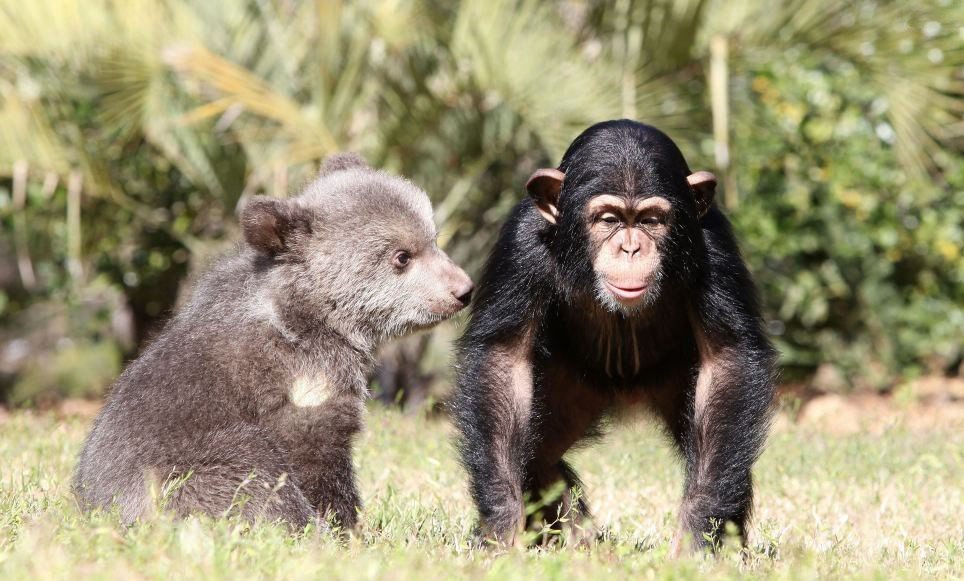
(623, 158)
(620, 141)
(628, 173)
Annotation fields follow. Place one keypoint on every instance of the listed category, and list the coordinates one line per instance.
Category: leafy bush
(860, 263)
(81, 370)
(70, 345)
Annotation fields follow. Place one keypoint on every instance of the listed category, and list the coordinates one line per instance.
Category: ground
(868, 491)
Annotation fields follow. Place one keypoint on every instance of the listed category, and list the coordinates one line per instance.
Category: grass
(867, 505)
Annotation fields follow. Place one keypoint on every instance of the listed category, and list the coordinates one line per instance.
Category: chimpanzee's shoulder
(520, 254)
(718, 232)
(516, 279)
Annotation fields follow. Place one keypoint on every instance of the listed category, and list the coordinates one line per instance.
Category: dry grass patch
(881, 502)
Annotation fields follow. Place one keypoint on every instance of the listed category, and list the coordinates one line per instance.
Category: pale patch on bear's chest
(310, 390)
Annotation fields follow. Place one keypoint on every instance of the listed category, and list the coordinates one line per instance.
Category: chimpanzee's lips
(626, 293)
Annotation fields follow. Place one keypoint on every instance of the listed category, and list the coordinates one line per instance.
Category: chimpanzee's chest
(624, 354)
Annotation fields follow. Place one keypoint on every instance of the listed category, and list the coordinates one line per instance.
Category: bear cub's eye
(401, 259)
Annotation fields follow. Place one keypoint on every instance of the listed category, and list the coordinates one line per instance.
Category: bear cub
(249, 400)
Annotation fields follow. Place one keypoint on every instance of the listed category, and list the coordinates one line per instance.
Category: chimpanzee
(616, 284)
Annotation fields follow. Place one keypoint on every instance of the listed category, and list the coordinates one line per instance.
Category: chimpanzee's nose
(631, 244)
(464, 295)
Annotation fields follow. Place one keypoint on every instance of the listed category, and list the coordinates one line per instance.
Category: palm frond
(514, 51)
(27, 135)
(911, 52)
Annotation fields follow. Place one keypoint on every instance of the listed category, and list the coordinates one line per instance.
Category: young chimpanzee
(617, 284)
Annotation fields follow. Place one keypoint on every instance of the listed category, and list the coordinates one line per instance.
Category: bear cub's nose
(460, 285)
(464, 294)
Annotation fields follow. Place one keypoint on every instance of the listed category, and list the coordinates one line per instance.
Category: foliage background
(133, 130)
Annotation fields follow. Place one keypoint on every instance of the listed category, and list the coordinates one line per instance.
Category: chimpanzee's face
(626, 235)
(625, 211)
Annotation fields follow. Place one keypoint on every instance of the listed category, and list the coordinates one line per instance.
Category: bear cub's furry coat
(251, 396)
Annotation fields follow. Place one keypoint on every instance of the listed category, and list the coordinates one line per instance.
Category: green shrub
(77, 369)
(859, 260)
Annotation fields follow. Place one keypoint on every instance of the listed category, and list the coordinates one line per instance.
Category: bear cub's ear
(342, 161)
(270, 224)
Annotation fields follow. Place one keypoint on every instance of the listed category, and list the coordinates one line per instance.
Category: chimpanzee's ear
(544, 186)
(269, 224)
(340, 161)
(703, 184)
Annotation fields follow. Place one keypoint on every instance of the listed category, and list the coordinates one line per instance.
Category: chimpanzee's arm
(493, 406)
(733, 395)
(492, 402)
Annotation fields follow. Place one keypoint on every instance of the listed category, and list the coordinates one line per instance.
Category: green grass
(864, 506)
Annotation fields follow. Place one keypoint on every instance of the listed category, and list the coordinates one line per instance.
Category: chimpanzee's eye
(401, 259)
(652, 220)
(609, 218)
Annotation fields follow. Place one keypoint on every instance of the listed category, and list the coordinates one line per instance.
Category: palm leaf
(916, 72)
(514, 51)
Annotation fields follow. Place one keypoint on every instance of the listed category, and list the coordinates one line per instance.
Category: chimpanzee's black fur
(538, 284)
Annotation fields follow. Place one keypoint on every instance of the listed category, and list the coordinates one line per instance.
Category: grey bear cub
(251, 396)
